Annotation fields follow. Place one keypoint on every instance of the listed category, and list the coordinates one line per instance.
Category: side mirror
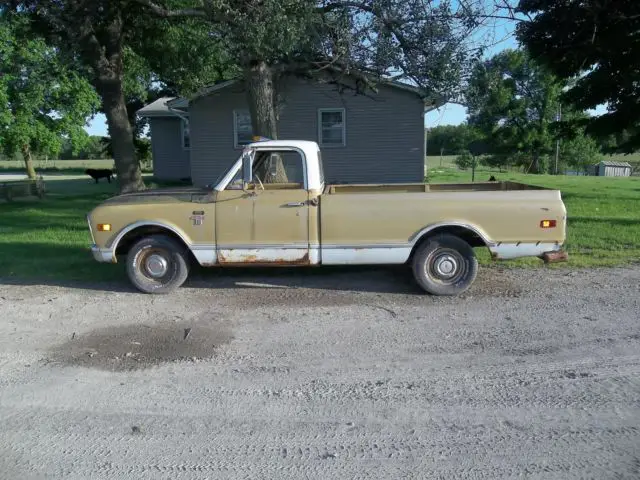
(246, 168)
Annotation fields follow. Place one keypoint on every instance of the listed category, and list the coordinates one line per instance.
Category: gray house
(375, 138)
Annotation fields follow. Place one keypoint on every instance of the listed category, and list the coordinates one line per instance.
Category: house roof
(613, 163)
(161, 108)
(431, 103)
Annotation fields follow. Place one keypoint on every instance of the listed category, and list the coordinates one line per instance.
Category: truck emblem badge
(197, 218)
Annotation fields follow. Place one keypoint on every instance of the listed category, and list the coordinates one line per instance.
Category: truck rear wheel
(445, 265)
(157, 264)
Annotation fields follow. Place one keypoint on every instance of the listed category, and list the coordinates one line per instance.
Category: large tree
(118, 43)
(43, 100)
(514, 102)
(353, 44)
(595, 43)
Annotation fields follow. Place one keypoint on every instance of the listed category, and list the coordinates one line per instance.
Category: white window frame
(184, 123)
(236, 145)
(342, 111)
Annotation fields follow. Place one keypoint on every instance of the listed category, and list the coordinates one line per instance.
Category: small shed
(611, 168)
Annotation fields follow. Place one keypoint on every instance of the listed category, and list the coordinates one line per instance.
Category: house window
(331, 127)
(186, 138)
(242, 130)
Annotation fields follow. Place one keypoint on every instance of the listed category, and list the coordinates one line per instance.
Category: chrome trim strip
(255, 246)
(146, 223)
(417, 236)
(202, 246)
(363, 246)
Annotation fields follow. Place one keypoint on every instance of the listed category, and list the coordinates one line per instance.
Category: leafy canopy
(596, 44)
(514, 102)
(42, 98)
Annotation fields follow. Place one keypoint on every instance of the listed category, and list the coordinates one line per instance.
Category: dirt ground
(344, 374)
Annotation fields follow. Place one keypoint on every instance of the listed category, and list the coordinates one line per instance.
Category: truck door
(268, 222)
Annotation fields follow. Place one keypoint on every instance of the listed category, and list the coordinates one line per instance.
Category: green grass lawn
(49, 239)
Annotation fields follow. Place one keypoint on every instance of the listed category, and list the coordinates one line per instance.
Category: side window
(236, 182)
(332, 127)
(186, 138)
(279, 169)
(242, 130)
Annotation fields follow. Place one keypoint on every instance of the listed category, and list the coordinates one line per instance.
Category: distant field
(444, 161)
(60, 166)
(52, 165)
(449, 160)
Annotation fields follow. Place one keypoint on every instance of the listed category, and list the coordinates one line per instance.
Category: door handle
(294, 204)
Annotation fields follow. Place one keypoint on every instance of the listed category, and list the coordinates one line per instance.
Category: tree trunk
(121, 133)
(536, 163)
(28, 161)
(261, 96)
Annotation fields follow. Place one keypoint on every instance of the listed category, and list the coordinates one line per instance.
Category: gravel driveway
(339, 374)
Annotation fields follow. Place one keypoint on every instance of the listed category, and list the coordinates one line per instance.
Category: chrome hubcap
(156, 265)
(445, 266)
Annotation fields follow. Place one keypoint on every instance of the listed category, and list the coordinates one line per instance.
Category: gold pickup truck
(273, 207)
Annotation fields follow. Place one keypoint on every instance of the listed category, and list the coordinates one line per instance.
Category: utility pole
(558, 118)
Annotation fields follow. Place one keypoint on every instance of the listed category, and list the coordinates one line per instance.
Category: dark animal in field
(97, 173)
(492, 179)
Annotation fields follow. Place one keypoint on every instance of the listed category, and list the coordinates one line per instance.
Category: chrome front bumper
(102, 255)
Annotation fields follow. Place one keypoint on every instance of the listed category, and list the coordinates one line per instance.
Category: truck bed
(426, 187)
(509, 212)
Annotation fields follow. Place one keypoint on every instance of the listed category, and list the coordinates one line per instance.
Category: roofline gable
(430, 102)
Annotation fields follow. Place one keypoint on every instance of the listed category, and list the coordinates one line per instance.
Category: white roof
(301, 144)
(159, 108)
(614, 163)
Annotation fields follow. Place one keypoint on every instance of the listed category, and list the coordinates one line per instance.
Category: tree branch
(329, 7)
(165, 13)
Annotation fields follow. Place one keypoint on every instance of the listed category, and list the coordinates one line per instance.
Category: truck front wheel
(157, 264)
(445, 265)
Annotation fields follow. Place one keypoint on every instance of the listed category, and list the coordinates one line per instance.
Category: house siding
(170, 160)
(384, 134)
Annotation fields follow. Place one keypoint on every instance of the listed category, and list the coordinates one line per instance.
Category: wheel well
(464, 233)
(136, 234)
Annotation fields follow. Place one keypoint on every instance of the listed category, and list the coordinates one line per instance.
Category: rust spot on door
(240, 258)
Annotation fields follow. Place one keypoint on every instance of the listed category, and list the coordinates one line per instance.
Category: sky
(449, 114)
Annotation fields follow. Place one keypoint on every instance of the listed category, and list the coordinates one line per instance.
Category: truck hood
(161, 195)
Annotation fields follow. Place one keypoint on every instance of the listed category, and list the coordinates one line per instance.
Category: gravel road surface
(339, 374)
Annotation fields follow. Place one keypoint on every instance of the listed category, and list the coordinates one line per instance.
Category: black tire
(174, 254)
(445, 265)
